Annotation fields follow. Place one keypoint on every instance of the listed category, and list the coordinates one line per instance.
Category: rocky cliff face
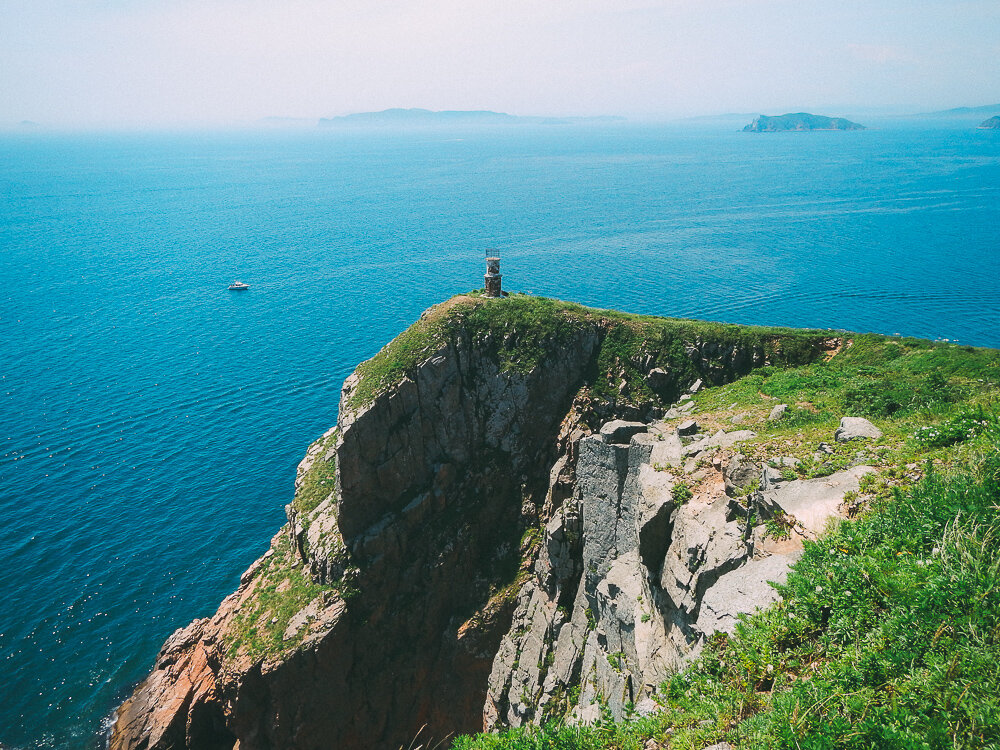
(464, 548)
(634, 576)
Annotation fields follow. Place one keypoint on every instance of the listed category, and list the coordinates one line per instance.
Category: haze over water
(151, 421)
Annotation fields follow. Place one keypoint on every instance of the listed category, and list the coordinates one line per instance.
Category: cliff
(412, 537)
(799, 121)
(518, 518)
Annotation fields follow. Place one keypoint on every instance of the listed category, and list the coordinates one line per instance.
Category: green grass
(318, 482)
(520, 331)
(281, 589)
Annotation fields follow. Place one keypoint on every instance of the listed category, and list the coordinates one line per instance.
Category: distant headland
(991, 124)
(959, 112)
(397, 117)
(799, 121)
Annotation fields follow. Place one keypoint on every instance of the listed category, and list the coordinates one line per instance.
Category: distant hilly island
(423, 117)
(415, 117)
(986, 109)
(799, 121)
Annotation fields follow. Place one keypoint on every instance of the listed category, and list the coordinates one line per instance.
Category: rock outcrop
(856, 428)
(633, 577)
(478, 536)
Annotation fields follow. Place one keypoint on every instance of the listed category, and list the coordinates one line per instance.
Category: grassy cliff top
(529, 324)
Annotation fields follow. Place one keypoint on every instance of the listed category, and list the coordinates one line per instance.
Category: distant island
(423, 117)
(986, 109)
(991, 124)
(799, 121)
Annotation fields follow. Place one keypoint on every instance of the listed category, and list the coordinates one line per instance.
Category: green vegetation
(681, 492)
(926, 397)
(318, 482)
(281, 589)
(778, 527)
(888, 634)
(522, 331)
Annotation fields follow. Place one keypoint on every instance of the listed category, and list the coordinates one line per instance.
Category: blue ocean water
(151, 421)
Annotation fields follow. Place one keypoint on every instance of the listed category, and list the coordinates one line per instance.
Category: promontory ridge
(556, 524)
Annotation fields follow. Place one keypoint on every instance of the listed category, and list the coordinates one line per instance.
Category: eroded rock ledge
(466, 546)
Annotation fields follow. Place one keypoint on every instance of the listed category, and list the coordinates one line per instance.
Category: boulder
(743, 591)
(813, 502)
(739, 473)
(856, 428)
(778, 412)
(660, 382)
(721, 439)
(687, 427)
(620, 432)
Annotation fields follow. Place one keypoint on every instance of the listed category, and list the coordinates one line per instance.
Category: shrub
(967, 425)
(681, 492)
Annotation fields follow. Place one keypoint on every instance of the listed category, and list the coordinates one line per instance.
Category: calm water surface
(151, 421)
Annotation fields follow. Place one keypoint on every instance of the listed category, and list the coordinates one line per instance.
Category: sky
(162, 63)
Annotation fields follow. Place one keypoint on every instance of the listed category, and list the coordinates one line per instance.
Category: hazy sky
(166, 62)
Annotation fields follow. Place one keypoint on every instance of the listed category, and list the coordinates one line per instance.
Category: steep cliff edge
(467, 445)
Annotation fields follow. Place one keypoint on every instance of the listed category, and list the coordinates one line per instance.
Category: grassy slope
(889, 631)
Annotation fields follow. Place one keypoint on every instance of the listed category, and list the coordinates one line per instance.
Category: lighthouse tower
(492, 278)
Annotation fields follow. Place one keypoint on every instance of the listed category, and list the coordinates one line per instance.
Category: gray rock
(687, 427)
(770, 478)
(655, 517)
(686, 408)
(695, 386)
(704, 546)
(737, 418)
(743, 591)
(740, 473)
(813, 502)
(620, 432)
(646, 706)
(721, 439)
(667, 452)
(856, 428)
(660, 382)
(778, 412)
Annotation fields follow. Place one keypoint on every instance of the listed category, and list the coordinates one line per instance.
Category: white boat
(238, 286)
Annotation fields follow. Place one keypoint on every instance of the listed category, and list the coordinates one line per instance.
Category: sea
(151, 420)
